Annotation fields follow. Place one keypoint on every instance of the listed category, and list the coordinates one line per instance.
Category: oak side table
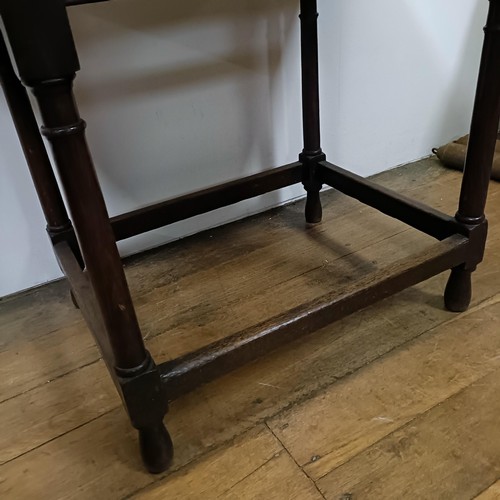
(42, 47)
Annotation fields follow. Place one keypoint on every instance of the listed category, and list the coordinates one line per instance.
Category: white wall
(181, 95)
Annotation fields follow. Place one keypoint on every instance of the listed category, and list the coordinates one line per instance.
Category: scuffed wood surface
(398, 399)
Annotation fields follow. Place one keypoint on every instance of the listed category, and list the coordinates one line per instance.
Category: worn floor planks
(328, 430)
(308, 421)
(449, 452)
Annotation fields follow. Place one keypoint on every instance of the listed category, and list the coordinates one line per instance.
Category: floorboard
(315, 419)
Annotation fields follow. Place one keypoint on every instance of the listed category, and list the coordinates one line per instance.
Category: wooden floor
(399, 401)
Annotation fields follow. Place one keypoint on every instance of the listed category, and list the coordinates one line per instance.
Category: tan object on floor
(452, 155)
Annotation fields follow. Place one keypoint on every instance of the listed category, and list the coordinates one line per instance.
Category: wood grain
(255, 466)
(166, 283)
(452, 451)
(328, 430)
(68, 436)
(50, 410)
(279, 478)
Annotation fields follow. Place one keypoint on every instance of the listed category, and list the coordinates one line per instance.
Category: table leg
(34, 150)
(42, 44)
(478, 163)
(312, 153)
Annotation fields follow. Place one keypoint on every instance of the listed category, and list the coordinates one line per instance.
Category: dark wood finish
(157, 449)
(412, 212)
(59, 226)
(154, 441)
(84, 296)
(145, 399)
(311, 153)
(458, 291)
(186, 373)
(138, 378)
(32, 144)
(484, 125)
(65, 130)
(310, 77)
(206, 200)
(41, 40)
(42, 45)
(479, 159)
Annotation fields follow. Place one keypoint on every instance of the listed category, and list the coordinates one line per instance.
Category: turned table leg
(49, 195)
(478, 163)
(42, 44)
(312, 153)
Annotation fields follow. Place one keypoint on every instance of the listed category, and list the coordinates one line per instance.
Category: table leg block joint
(145, 399)
(312, 184)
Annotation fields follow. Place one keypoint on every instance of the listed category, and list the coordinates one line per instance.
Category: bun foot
(157, 449)
(314, 211)
(458, 292)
